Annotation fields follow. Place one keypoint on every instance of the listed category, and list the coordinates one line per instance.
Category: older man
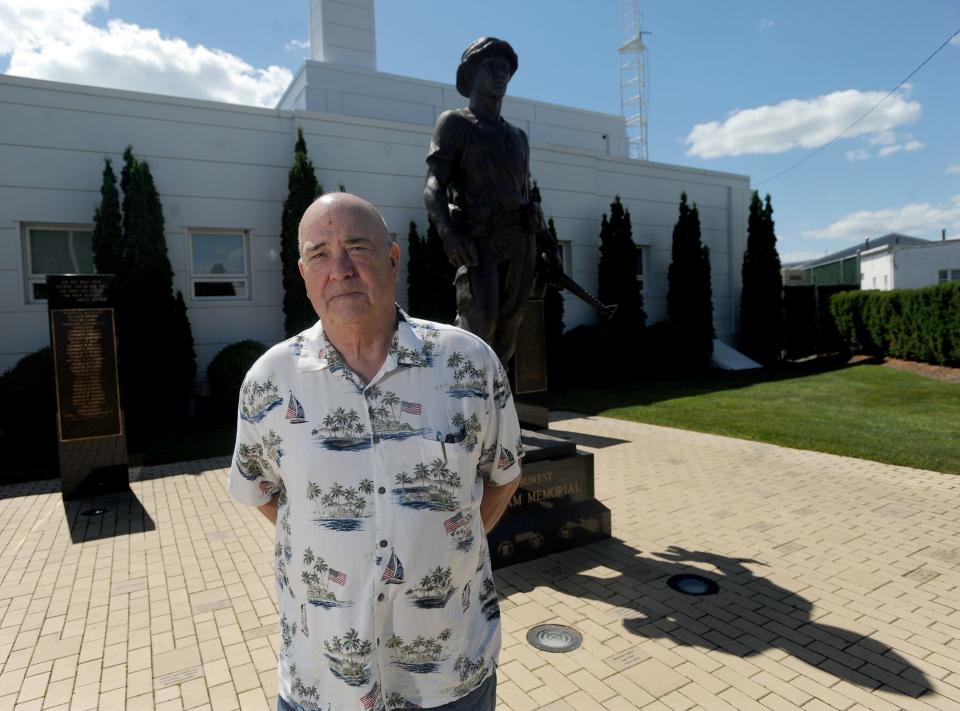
(385, 447)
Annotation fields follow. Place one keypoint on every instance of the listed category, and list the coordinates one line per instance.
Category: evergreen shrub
(28, 426)
(913, 324)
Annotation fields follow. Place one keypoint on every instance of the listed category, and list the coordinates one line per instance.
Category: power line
(863, 116)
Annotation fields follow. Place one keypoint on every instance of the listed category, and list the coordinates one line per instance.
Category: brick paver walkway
(839, 588)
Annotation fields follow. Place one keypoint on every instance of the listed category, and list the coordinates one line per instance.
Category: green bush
(226, 372)
(28, 427)
(913, 324)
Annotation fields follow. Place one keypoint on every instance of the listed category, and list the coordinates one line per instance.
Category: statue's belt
(488, 217)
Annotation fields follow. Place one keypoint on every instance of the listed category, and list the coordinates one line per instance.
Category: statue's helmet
(478, 49)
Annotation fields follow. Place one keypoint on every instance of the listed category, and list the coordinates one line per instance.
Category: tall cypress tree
(689, 294)
(155, 342)
(618, 272)
(415, 270)
(441, 295)
(761, 302)
(430, 292)
(108, 225)
(302, 190)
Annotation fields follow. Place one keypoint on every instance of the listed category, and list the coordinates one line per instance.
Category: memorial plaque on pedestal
(92, 444)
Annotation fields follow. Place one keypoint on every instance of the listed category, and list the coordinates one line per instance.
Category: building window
(55, 249)
(219, 265)
(566, 256)
(640, 266)
(945, 275)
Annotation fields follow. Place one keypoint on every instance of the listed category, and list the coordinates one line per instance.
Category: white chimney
(342, 32)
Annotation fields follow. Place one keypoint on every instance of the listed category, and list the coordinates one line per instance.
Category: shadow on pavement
(748, 616)
(106, 516)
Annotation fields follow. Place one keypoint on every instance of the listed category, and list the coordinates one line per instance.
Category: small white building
(910, 266)
(221, 171)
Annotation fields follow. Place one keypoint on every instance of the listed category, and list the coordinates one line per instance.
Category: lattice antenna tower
(634, 78)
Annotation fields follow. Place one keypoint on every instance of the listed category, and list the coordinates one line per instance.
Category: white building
(221, 171)
(910, 266)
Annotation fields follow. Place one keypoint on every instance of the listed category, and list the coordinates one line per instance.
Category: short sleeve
(502, 438)
(255, 470)
(447, 140)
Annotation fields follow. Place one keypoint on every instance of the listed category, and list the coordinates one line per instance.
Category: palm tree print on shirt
(317, 576)
(467, 429)
(257, 399)
(488, 599)
(342, 430)
(431, 486)
(469, 380)
(287, 630)
(349, 658)
(340, 508)
(472, 673)
(501, 392)
(423, 655)
(282, 554)
(260, 458)
(434, 590)
(308, 695)
(387, 411)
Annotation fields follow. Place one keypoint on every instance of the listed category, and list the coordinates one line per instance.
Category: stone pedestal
(554, 508)
(90, 433)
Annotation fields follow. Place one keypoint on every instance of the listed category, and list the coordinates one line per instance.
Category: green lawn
(864, 410)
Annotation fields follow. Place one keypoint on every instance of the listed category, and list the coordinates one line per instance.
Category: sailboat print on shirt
(295, 415)
(393, 573)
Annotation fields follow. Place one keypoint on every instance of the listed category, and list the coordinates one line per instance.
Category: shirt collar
(409, 347)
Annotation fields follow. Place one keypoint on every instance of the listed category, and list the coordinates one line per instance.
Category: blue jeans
(483, 698)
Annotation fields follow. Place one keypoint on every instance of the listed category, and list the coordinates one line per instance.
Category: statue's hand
(460, 249)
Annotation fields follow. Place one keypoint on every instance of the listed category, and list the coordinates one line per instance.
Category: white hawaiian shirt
(384, 583)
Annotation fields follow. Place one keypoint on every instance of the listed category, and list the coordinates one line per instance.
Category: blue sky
(748, 87)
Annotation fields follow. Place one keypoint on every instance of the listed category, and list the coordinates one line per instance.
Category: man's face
(348, 264)
(491, 76)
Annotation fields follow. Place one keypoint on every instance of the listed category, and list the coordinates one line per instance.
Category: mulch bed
(938, 372)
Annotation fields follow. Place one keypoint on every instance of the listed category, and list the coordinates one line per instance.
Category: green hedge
(913, 324)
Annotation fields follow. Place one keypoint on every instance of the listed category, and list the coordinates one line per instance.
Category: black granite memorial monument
(90, 433)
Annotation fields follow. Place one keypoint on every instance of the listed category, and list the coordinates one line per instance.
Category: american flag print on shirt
(370, 698)
(411, 408)
(454, 522)
(338, 577)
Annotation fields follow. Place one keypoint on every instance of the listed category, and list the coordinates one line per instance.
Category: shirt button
(380, 597)
(382, 490)
(383, 543)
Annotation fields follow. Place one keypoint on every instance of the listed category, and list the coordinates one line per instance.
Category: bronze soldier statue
(493, 233)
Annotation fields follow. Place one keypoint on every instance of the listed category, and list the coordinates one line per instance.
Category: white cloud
(859, 154)
(915, 219)
(913, 145)
(296, 45)
(884, 138)
(800, 123)
(955, 168)
(888, 150)
(52, 39)
(766, 24)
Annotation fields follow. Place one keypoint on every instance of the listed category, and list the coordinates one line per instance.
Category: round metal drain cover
(93, 512)
(554, 638)
(693, 585)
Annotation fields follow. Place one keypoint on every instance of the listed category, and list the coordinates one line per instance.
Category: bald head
(327, 207)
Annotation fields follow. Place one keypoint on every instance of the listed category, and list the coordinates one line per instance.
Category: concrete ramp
(726, 358)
